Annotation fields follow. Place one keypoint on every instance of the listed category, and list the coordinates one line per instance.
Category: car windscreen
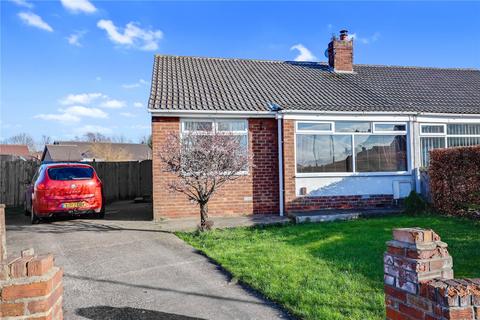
(70, 173)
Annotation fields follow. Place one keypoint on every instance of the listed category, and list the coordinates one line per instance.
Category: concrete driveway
(125, 267)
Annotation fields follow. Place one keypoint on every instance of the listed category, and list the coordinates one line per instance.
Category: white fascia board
(377, 116)
(456, 118)
(348, 117)
(321, 115)
(211, 113)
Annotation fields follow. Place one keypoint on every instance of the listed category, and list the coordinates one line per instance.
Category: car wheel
(101, 214)
(34, 219)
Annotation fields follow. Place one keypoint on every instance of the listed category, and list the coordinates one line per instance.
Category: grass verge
(329, 270)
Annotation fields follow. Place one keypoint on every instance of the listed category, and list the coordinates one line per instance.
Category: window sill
(352, 174)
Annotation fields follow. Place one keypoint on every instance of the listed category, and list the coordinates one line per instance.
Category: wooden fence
(121, 180)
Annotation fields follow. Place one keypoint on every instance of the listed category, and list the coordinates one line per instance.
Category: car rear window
(70, 173)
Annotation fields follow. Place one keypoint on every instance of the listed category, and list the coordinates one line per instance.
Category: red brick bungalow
(350, 136)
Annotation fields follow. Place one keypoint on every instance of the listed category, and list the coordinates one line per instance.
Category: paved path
(190, 224)
(120, 269)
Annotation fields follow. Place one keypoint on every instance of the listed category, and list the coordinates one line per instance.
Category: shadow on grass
(115, 313)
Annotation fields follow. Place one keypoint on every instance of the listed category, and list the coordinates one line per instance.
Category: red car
(64, 188)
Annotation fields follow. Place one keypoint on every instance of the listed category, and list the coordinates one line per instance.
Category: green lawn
(329, 270)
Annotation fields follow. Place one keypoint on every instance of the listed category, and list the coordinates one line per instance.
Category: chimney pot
(343, 34)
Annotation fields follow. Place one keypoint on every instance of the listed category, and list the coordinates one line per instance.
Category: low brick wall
(306, 203)
(30, 285)
(419, 280)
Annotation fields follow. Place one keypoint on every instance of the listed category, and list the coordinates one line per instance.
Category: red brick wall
(340, 55)
(419, 282)
(340, 202)
(289, 164)
(254, 193)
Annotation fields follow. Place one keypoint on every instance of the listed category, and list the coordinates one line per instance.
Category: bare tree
(93, 137)
(202, 164)
(119, 139)
(22, 138)
(146, 140)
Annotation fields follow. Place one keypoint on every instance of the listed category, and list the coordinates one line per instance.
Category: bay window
(350, 147)
(434, 136)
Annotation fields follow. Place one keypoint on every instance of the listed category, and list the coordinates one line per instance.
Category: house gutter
(212, 113)
(404, 113)
(272, 114)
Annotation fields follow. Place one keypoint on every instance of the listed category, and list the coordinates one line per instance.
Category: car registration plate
(72, 205)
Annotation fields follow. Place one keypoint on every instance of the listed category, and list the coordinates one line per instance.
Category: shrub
(455, 179)
(414, 204)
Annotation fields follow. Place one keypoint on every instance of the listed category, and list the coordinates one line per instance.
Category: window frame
(215, 121)
(302, 131)
(433, 134)
(387, 132)
(444, 135)
(352, 135)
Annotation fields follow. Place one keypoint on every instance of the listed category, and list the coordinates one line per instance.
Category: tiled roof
(14, 149)
(63, 152)
(214, 84)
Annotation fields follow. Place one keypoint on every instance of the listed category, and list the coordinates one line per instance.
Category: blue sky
(73, 66)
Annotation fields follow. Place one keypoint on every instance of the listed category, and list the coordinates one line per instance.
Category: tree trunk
(203, 216)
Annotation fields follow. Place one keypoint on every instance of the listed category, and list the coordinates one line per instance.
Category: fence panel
(121, 180)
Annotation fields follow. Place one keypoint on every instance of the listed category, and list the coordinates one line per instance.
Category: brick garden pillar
(419, 280)
(30, 285)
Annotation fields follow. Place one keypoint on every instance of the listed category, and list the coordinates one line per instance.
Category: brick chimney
(340, 53)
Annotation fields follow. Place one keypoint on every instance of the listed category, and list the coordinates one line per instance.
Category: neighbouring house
(95, 151)
(16, 151)
(322, 135)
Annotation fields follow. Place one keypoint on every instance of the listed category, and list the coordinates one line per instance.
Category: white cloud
(95, 98)
(140, 82)
(98, 78)
(74, 38)
(61, 117)
(77, 6)
(73, 114)
(82, 98)
(93, 128)
(365, 40)
(23, 3)
(80, 111)
(113, 104)
(127, 114)
(34, 20)
(132, 35)
(138, 105)
(303, 53)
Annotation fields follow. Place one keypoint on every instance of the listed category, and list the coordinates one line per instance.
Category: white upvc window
(235, 127)
(389, 127)
(441, 135)
(433, 129)
(324, 148)
(208, 126)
